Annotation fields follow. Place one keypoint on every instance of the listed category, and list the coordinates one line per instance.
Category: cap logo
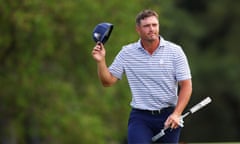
(97, 36)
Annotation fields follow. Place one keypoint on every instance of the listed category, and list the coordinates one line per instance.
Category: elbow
(105, 84)
(108, 81)
(190, 87)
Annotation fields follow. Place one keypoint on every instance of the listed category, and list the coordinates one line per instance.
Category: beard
(152, 37)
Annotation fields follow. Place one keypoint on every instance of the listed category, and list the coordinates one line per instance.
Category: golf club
(192, 110)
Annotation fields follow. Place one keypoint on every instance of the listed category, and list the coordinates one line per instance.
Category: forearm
(104, 75)
(184, 96)
(174, 120)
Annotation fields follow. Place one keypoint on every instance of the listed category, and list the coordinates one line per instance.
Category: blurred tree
(39, 99)
(215, 68)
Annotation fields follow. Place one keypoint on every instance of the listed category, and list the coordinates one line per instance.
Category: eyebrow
(154, 24)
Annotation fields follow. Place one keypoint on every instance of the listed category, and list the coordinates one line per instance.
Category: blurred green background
(49, 89)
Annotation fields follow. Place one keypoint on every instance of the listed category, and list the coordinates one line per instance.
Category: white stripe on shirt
(152, 78)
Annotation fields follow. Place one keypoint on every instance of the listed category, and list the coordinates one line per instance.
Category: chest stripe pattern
(152, 78)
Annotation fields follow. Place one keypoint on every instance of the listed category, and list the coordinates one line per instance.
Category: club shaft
(195, 108)
(162, 132)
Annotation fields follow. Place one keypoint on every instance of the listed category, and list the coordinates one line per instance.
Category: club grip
(200, 105)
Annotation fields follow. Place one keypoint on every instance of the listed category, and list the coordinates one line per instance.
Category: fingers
(181, 122)
(174, 121)
(171, 124)
(98, 52)
(98, 46)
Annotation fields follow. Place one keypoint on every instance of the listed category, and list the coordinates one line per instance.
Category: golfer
(155, 68)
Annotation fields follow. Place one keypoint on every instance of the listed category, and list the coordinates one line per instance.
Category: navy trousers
(143, 125)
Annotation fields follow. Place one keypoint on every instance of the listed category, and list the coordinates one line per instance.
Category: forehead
(149, 20)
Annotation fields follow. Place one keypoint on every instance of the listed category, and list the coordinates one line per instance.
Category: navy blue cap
(102, 32)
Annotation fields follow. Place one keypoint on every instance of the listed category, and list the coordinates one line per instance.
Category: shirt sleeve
(182, 67)
(117, 67)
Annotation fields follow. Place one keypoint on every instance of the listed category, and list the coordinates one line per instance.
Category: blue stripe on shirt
(152, 78)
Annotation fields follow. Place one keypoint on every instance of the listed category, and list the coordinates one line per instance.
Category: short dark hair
(144, 14)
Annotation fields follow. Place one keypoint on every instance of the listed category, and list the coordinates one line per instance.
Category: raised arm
(106, 78)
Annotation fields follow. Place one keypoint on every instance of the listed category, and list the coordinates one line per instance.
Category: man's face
(148, 29)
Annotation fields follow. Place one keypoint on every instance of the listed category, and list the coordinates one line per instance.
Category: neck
(150, 46)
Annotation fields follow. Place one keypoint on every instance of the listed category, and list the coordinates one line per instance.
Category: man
(154, 68)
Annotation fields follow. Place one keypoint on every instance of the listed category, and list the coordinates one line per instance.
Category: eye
(154, 25)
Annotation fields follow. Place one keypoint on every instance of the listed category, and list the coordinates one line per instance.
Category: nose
(151, 27)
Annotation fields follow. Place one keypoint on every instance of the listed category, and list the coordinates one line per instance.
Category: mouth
(152, 35)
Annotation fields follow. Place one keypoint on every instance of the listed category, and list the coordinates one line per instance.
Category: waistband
(155, 112)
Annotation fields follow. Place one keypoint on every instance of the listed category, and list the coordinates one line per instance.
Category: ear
(137, 29)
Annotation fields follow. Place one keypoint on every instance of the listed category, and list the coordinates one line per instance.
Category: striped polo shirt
(152, 78)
